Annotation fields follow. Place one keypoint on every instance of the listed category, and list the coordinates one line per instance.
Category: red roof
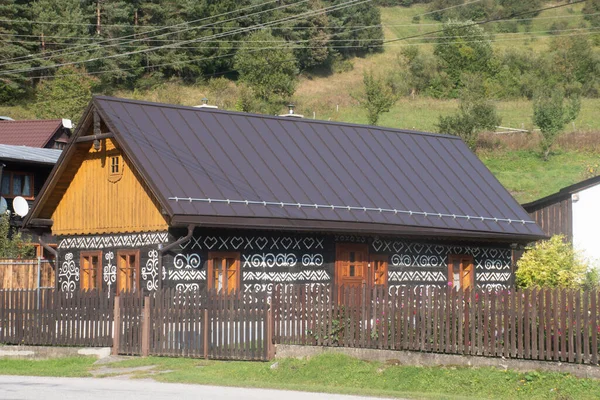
(32, 133)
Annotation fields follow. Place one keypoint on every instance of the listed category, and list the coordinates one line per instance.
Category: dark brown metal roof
(32, 133)
(203, 164)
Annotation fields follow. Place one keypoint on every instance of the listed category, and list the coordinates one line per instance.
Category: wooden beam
(41, 222)
(91, 138)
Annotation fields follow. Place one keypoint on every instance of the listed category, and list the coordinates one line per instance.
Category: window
(128, 271)
(460, 271)
(224, 271)
(90, 263)
(115, 169)
(17, 184)
(379, 266)
(115, 165)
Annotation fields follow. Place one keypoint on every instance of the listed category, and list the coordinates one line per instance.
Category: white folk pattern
(109, 274)
(101, 242)
(68, 274)
(150, 271)
(318, 275)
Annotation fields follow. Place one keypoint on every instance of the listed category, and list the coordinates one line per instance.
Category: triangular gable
(83, 195)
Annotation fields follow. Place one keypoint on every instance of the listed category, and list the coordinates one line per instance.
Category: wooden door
(461, 271)
(351, 265)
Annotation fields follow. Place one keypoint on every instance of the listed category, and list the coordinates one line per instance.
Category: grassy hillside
(329, 97)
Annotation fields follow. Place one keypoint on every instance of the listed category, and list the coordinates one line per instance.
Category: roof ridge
(277, 118)
(34, 120)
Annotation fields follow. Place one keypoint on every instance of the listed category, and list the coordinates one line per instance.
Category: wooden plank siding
(92, 204)
(555, 218)
(23, 274)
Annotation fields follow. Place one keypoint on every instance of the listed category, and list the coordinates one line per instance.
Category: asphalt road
(48, 388)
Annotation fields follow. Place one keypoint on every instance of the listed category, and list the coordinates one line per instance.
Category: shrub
(551, 263)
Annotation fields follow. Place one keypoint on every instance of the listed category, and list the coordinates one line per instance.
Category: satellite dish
(20, 206)
(3, 205)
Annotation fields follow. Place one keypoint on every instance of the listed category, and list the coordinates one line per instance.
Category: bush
(551, 263)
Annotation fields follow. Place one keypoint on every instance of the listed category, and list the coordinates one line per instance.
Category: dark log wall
(555, 218)
(268, 258)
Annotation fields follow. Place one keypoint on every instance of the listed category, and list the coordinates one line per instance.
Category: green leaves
(551, 114)
(270, 72)
(12, 244)
(377, 97)
(551, 263)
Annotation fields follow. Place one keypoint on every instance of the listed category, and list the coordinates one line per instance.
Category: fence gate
(128, 323)
(216, 325)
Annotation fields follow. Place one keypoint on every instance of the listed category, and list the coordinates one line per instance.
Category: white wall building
(573, 211)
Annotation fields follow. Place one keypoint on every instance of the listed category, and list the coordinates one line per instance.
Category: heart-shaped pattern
(184, 245)
(309, 242)
(236, 242)
(377, 244)
(398, 246)
(286, 242)
(261, 242)
(210, 242)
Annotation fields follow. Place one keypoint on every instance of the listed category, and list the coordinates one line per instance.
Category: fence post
(205, 333)
(146, 327)
(116, 326)
(270, 344)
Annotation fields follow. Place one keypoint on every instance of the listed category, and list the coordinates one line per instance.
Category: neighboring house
(49, 134)
(149, 195)
(573, 211)
(23, 171)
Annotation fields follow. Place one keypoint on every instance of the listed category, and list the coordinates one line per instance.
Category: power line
(349, 3)
(312, 47)
(493, 20)
(50, 54)
(528, 33)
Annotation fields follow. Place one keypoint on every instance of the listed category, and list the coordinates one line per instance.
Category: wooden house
(573, 211)
(40, 133)
(152, 195)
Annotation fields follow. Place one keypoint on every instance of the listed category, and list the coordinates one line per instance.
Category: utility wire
(349, 3)
(95, 44)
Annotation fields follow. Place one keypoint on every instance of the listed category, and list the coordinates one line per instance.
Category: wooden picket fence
(533, 324)
(46, 317)
(215, 325)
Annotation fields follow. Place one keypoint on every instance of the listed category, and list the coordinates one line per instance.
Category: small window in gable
(115, 168)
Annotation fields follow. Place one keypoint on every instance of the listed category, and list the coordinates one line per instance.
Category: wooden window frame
(136, 253)
(91, 253)
(10, 194)
(223, 254)
(374, 258)
(114, 177)
(460, 258)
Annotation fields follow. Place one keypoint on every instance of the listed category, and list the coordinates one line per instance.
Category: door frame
(360, 247)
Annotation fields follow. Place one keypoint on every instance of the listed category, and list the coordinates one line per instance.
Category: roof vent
(291, 112)
(205, 104)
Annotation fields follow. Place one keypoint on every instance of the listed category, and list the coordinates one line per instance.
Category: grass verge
(67, 367)
(334, 373)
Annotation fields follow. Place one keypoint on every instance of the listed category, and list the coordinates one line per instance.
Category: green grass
(68, 367)
(528, 177)
(338, 374)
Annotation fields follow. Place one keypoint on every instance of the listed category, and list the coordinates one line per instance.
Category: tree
(14, 85)
(376, 98)
(12, 244)
(475, 114)
(270, 73)
(464, 47)
(591, 12)
(356, 40)
(551, 263)
(551, 114)
(64, 96)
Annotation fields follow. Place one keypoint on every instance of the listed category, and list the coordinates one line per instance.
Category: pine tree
(350, 31)
(15, 85)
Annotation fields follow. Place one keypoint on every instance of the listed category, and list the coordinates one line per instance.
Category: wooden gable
(99, 191)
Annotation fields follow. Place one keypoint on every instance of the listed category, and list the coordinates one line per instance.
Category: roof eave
(180, 220)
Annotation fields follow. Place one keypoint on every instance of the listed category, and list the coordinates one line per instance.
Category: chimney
(291, 113)
(205, 104)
